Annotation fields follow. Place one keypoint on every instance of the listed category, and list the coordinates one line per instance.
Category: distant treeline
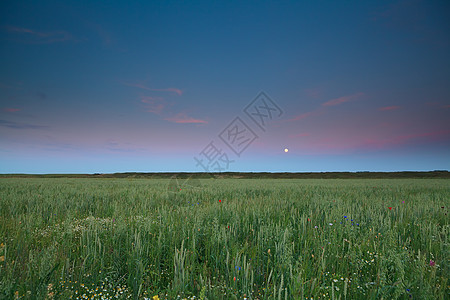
(247, 175)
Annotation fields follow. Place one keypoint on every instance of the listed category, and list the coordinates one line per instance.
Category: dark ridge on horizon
(248, 175)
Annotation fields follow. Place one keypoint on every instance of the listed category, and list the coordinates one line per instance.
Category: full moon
(286, 150)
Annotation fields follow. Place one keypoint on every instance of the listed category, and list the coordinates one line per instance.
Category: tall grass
(265, 239)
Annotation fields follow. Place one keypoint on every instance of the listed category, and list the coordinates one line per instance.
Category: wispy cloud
(343, 99)
(153, 104)
(16, 125)
(183, 118)
(302, 116)
(329, 143)
(11, 109)
(446, 106)
(40, 37)
(305, 115)
(173, 90)
(142, 86)
(394, 107)
(404, 139)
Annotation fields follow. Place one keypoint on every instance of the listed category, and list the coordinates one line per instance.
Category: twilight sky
(93, 86)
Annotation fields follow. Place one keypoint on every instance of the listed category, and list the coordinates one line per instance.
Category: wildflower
(2, 258)
(331, 224)
(432, 263)
(390, 207)
(234, 278)
(315, 227)
(345, 217)
(155, 297)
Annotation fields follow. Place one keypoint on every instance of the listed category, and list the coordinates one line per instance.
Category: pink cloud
(184, 119)
(10, 109)
(305, 115)
(154, 104)
(302, 116)
(403, 139)
(394, 107)
(173, 90)
(446, 106)
(142, 86)
(343, 99)
(336, 143)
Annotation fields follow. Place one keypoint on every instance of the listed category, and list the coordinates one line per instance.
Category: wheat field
(68, 238)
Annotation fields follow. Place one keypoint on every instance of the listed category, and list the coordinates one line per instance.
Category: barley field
(68, 238)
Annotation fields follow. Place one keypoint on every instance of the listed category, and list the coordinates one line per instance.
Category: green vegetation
(248, 175)
(66, 238)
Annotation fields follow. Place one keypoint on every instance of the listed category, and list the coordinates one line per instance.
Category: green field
(78, 238)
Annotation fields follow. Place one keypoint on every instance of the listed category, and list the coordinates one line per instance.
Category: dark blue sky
(146, 86)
